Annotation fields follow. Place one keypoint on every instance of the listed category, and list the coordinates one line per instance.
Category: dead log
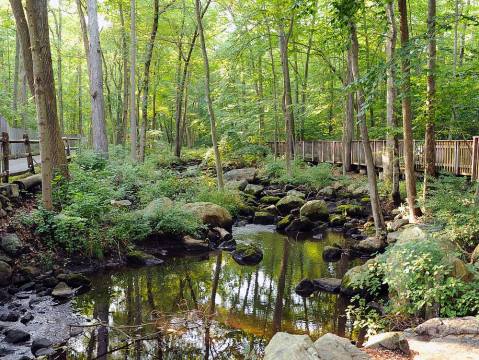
(223, 234)
(29, 182)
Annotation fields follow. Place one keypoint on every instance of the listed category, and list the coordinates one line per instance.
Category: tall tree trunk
(16, 75)
(372, 181)
(414, 211)
(219, 168)
(51, 145)
(146, 80)
(100, 140)
(304, 88)
(133, 119)
(287, 103)
(430, 143)
(124, 54)
(391, 161)
(108, 98)
(84, 32)
(58, 27)
(261, 98)
(80, 102)
(348, 125)
(275, 94)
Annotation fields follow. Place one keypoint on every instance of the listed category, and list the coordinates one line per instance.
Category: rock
(246, 210)
(11, 244)
(62, 291)
(288, 203)
(315, 210)
(45, 352)
(407, 233)
(247, 254)
(263, 217)
(332, 253)
(437, 327)
(210, 214)
(347, 284)
(156, 205)
(460, 270)
(333, 347)
(15, 336)
(296, 193)
(239, 185)
(337, 220)
(271, 209)
(284, 222)
(5, 273)
(40, 343)
(121, 203)
(300, 225)
(269, 199)
(396, 224)
(228, 245)
(50, 281)
(4, 352)
(75, 280)
(475, 255)
(140, 258)
(370, 245)
(305, 288)
(26, 318)
(284, 346)
(350, 210)
(247, 174)
(393, 340)
(192, 244)
(327, 191)
(331, 285)
(253, 189)
(9, 316)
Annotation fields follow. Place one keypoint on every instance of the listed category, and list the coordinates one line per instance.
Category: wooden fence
(459, 157)
(26, 154)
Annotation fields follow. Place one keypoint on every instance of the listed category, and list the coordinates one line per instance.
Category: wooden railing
(459, 157)
(28, 155)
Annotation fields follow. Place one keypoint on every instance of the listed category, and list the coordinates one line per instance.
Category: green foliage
(229, 199)
(365, 317)
(128, 227)
(174, 221)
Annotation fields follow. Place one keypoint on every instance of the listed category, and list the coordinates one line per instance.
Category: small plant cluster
(301, 173)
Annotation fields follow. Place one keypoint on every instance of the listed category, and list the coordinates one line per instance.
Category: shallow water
(210, 307)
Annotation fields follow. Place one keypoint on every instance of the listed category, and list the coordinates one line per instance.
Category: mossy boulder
(284, 222)
(253, 189)
(5, 273)
(247, 254)
(350, 210)
(139, 258)
(337, 220)
(300, 225)
(288, 203)
(245, 210)
(315, 210)
(210, 214)
(349, 282)
(475, 255)
(236, 185)
(269, 199)
(263, 217)
(247, 174)
(296, 193)
(75, 280)
(156, 205)
(331, 253)
(11, 244)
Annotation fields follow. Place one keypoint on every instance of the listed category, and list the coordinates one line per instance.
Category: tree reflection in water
(210, 307)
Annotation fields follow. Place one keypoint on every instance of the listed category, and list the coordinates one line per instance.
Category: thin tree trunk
(372, 181)
(304, 90)
(84, 32)
(108, 97)
(133, 114)
(123, 127)
(80, 104)
(100, 141)
(58, 26)
(261, 98)
(275, 94)
(348, 125)
(414, 211)
(287, 103)
(51, 145)
(430, 143)
(16, 75)
(391, 163)
(219, 168)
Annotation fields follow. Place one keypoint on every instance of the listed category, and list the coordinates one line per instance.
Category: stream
(211, 307)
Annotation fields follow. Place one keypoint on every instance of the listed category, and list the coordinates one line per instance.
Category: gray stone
(253, 189)
(157, 205)
(333, 347)
(40, 343)
(62, 291)
(236, 184)
(288, 203)
(393, 340)
(370, 245)
(438, 327)
(121, 203)
(296, 193)
(331, 253)
(327, 191)
(5, 273)
(284, 346)
(210, 214)
(11, 244)
(315, 210)
(247, 174)
(396, 224)
(263, 217)
(331, 285)
(15, 336)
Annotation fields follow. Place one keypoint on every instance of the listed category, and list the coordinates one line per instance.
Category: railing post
(475, 150)
(28, 150)
(6, 156)
(303, 150)
(67, 146)
(312, 150)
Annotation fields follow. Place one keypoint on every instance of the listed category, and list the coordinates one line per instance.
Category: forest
(222, 179)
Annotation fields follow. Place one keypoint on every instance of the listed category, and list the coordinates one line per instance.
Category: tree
(414, 211)
(219, 168)
(430, 143)
(348, 122)
(51, 145)
(391, 164)
(100, 140)
(133, 118)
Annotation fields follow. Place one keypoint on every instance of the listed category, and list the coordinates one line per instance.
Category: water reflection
(210, 307)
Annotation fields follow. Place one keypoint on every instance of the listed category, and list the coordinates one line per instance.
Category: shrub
(174, 221)
(128, 227)
(229, 199)
(89, 160)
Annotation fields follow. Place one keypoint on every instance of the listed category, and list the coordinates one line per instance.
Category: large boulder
(269, 199)
(300, 225)
(437, 327)
(296, 193)
(475, 255)
(156, 205)
(350, 210)
(370, 245)
(315, 210)
(247, 254)
(263, 218)
(210, 214)
(348, 282)
(284, 346)
(332, 253)
(393, 340)
(5, 273)
(15, 336)
(62, 291)
(236, 184)
(284, 222)
(288, 203)
(11, 244)
(247, 174)
(333, 347)
(253, 189)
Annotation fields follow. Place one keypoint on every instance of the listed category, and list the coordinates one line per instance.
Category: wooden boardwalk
(458, 157)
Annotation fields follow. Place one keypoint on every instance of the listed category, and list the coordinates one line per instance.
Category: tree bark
(16, 75)
(80, 101)
(58, 30)
(304, 89)
(414, 211)
(100, 140)
(219, 168)
(391, 162)
(348, 125)
(430, 143)
(287, 103)
(51, 145)
(275, 94)
(372, 181)
(133, 118)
